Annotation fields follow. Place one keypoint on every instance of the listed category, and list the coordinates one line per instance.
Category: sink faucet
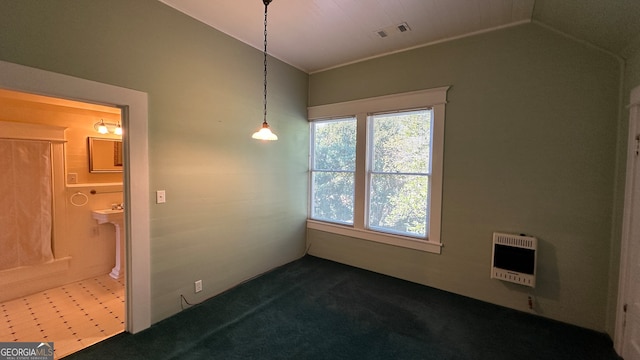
(117, 206)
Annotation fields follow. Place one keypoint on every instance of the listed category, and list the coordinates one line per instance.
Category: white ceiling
(314, 35)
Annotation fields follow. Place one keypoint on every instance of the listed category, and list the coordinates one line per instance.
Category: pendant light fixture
(265, 133)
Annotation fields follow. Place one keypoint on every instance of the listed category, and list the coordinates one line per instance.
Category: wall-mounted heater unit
(514, 258)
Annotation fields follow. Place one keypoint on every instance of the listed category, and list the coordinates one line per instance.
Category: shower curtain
(25, 203)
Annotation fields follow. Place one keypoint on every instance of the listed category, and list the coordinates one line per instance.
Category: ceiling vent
(403, 27)
(393, 30)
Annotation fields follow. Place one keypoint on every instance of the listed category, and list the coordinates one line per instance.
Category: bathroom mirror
(105, 155)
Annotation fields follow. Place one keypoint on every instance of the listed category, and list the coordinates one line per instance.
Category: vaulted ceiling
(313, 35)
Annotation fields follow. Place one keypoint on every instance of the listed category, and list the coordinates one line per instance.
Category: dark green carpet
(318, 309)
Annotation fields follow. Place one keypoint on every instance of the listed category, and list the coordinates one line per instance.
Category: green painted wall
(530, 147)
(235, 207)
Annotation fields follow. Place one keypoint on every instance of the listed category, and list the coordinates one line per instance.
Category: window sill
(389, 239)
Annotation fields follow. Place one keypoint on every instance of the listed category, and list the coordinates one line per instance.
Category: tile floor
(73, 316)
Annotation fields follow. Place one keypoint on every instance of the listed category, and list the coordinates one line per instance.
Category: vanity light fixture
(106, 127)
(102, 127)
(265, 133)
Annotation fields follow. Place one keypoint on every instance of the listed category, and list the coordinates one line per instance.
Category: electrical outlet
(72, 178)
(161, 197)
(198, 286)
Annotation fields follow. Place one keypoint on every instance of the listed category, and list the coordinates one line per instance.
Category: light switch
(161, 197)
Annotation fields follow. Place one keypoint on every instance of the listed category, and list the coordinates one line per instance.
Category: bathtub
(25, 280)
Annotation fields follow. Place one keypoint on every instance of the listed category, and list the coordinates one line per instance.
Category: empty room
(336, 179)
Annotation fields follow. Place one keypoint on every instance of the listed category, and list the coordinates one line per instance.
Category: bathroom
(83, 251)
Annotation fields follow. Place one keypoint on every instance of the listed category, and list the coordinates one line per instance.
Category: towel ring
(86, 199)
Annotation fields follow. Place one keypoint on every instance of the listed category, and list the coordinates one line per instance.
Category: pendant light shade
(265, 133)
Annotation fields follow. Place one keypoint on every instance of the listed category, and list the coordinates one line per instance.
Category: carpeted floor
(318, 309)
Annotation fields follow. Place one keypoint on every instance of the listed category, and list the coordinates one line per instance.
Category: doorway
(56, 273)
(628, 319)
(133, 105)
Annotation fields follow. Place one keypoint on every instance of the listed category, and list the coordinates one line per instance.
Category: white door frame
(634, 129)
(136, 180)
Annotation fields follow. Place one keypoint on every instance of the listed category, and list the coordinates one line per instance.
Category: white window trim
(432, 98)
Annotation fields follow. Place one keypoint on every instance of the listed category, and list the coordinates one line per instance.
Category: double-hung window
(376, 168)
(398, 171)
(333, 168)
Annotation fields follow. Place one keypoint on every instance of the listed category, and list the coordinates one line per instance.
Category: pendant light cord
(265, 133)
(266, 4)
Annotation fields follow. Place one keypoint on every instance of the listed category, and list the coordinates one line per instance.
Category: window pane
(333, 196)
(334, 146)
(401, 142)
(398, 204)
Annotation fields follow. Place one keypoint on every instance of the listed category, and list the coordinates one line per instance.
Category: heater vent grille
(515, 240)
(514, 258)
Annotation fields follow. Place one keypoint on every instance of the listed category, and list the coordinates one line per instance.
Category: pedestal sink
(115, 217)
